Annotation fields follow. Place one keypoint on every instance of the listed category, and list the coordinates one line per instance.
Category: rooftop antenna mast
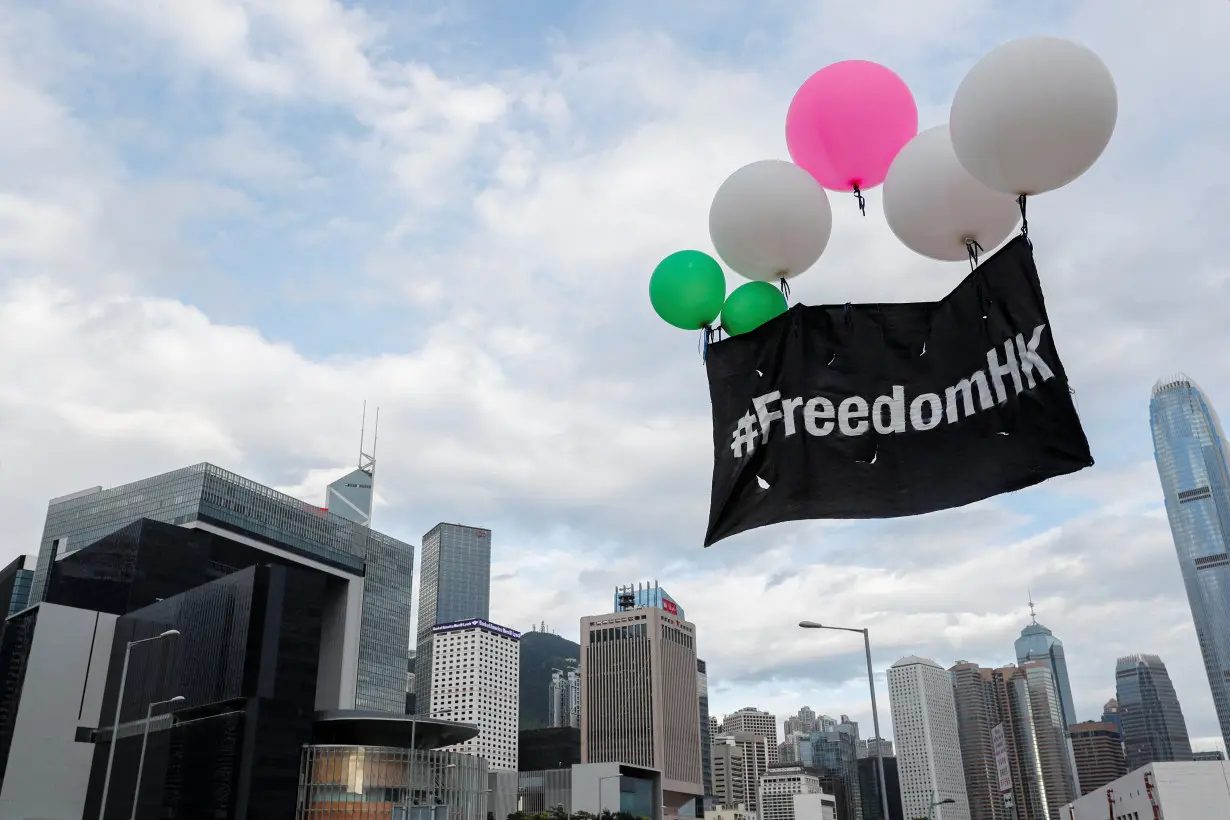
(367, 461)
(1033, 617)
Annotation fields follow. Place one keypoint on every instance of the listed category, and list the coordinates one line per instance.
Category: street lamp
(947, 801)
(601, 808)
(115, 726)
(149, 710)
(875, 715)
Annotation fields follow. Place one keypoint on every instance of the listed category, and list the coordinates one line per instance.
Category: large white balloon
(934, 206)
(770, 220)
(1033, 115)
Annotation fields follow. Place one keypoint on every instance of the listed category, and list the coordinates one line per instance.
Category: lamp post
(149, 710)
(608, 777)
(945, 802)
(115, 726)
(875, 715)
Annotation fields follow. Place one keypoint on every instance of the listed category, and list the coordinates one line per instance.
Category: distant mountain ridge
(540, 653)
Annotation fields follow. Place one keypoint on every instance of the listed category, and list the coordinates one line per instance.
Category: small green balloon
(687, 289)
(750, 306)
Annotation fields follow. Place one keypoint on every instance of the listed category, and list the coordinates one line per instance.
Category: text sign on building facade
(999, 745)
(458, 626)
(886, 410)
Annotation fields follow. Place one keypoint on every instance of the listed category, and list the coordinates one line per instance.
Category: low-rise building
(1174, 791)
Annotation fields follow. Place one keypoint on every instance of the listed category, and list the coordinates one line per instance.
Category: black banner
(878, 411)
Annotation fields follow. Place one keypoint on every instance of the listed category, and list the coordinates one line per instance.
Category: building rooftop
(1175, 382)
(911, 660)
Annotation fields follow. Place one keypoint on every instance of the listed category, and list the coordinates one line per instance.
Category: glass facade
(387, 783)
(706, 740)
(1154, 730)
(1038, 644)
(454, 585)
(15, 582)
(836, 753)
(1190, 449)
(215, 496)
(245, 663)
(651, 598)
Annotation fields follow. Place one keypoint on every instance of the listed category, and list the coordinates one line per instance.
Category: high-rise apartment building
(1154, 730)
(475, 679)
(803, 723)
(750, 720)
(1038, 644)
(753, 756)
(1099, 754)
(729, 772)
(1189, 446)
(454, 585)
(209, 498)
(925, 733)
(565, 694)
(639, 702)
(706, 738)
(1014, 745)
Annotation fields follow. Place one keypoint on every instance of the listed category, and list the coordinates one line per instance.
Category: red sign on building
(670, 607)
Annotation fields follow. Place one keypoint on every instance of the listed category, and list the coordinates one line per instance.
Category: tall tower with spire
(1038, 644)
(351, 495)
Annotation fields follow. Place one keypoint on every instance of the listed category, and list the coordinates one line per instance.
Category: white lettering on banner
(1022, 368)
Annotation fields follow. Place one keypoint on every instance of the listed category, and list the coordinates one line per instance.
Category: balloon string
(702, 345)
(785, 286)
(862, 203)
(973, 249)
(1020, 201)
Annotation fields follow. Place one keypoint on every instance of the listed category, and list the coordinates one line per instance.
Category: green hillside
(540, 653)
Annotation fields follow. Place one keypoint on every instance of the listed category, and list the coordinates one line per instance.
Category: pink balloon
(847, 123)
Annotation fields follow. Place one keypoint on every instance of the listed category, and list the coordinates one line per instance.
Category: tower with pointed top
(351, 495)
(1189, 446)
(1038, 644)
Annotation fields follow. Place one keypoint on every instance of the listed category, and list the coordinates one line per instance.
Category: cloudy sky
(224, 224)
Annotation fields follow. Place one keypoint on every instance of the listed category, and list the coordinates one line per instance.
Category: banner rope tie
(862, 203)
(974, 250)
(1020, 201)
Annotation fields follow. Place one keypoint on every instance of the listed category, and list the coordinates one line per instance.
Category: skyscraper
(751, 720)
(1153, 727)
(1038, 644)
(1190, 449)
(454, 585)
(706, 739)
(925, 733)
(1111, 714)
(750, 763)
(802, 723)
(639, 702)
(351, 495)
(475, 680)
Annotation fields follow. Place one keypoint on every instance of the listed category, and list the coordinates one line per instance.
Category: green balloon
(750, 306)
(687, 289)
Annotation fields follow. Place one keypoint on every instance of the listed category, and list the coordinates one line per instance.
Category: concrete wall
(48, 770)
(1184, 791)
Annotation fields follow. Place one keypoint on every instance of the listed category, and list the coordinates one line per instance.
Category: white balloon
(770, 220)
(1033, 115)
(934, 206)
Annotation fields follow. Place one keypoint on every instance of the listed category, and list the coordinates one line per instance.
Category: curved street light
(115, 725)
(875, 714)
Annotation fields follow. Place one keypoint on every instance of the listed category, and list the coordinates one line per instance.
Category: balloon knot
(785, 286)
(1020, 201)
(974, 250)
(862, 203)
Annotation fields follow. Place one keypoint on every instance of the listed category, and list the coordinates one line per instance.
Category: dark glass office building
(206, 497)
(869, 788)
(454, 585)
(542, 749)
(1154, 730)
(245, 663)
(15, 582)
